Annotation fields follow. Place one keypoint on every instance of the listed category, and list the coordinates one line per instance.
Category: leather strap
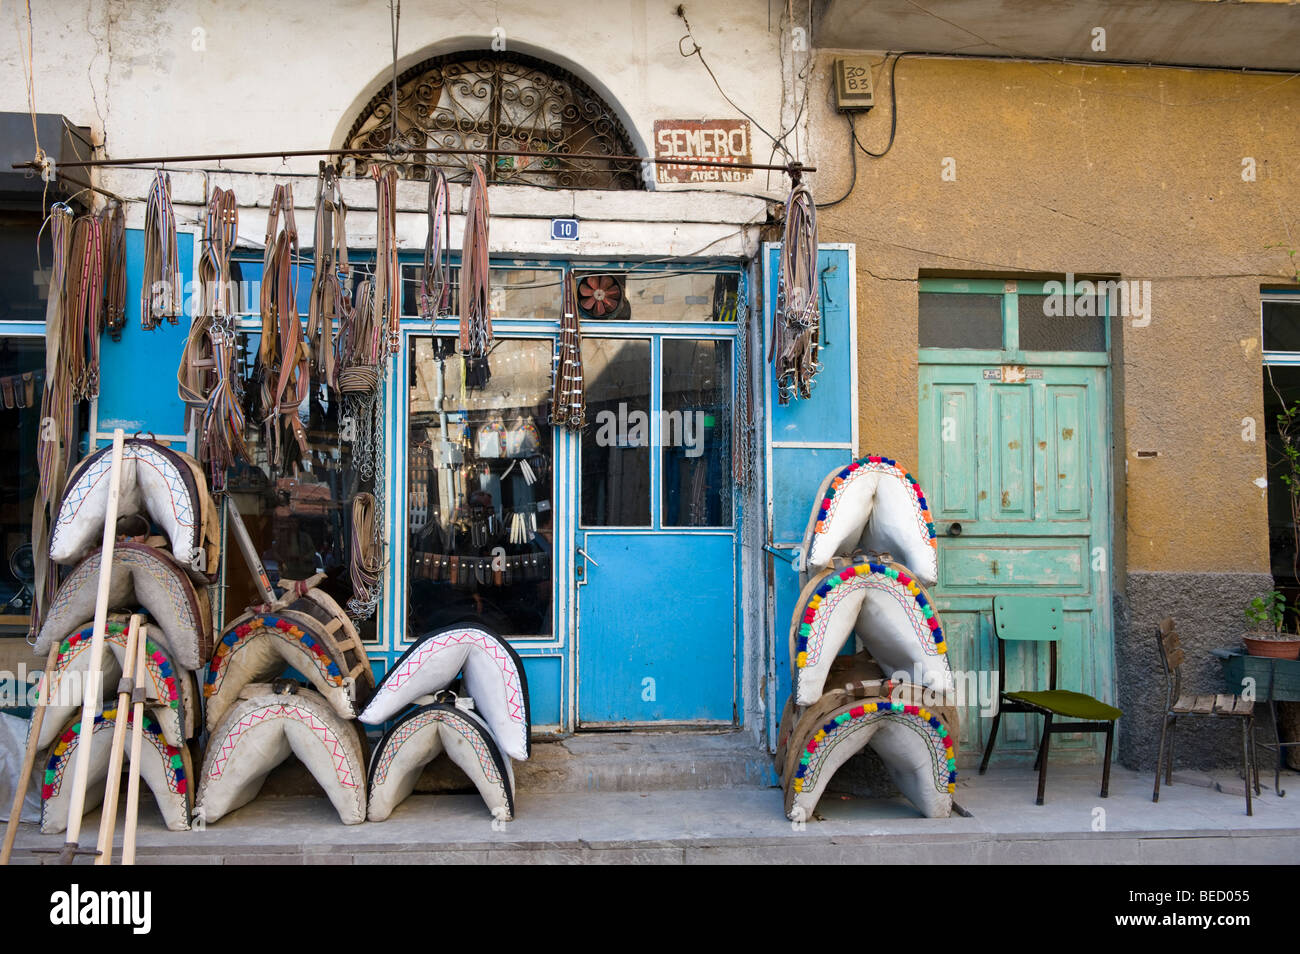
(328, 301)
(221, 436)
(160, 296)
(388, 275)
(435, 279)
(114, 219)
(475, 286)
(85, 301)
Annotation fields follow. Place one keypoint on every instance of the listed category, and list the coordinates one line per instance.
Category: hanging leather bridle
(160, 292)
(388, 275)
(56, 439)
(797, 314)
(114, 217)
(85, 305)
(475, 338)
(568, 397)
(208, 375)
(283, 352)
(435, 281)
(328, 300)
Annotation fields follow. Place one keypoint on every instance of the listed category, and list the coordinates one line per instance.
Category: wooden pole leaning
(93, 697)
(133, 772)
(246, 547)
(125, 691)
(29, 755)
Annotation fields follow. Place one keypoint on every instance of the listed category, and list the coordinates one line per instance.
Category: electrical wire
(893, 109)
(697, 51)
(853, 161)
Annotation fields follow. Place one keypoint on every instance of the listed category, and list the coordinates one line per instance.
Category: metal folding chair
(1042, 619)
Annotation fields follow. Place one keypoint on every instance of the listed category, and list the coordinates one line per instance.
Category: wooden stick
(93, 698)
(108, 814)
(133, 772)
(260, 579)
(29, 755)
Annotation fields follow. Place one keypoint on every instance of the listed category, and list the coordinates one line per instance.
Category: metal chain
(744, 423)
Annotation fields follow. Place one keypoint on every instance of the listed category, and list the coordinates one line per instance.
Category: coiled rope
(365, 566)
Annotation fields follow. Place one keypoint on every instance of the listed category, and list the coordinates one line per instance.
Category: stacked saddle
(166, 557)
(868, 553)
(481, 725)
(255, 719)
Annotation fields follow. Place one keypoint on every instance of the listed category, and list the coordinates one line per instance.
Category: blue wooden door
(655, 555)
(806, 439)
(1015, 463)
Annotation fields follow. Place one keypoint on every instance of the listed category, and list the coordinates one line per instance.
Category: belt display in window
(482, 570)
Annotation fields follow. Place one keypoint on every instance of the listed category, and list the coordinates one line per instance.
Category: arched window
(506, 101)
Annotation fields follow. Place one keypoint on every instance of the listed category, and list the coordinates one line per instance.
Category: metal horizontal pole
(794, 168)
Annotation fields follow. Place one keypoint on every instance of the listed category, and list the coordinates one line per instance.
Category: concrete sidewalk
(1192, 824)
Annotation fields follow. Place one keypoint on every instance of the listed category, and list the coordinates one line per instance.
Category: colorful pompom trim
(275, 625)
(868, 709)
(877, 463)
(844, 576)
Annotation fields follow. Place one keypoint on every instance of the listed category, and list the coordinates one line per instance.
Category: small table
(1276, 680)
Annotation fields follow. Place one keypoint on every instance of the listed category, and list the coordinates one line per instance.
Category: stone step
(599, 762)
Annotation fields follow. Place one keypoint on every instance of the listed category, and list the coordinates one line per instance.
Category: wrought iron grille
(499, 101)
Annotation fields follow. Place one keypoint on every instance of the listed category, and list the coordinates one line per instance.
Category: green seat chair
(1042, 619)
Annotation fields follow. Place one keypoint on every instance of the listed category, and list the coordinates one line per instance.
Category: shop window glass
(695, 433)
(516, 292)
(479, 502)
(631, 295)
(300, 519)
(616, 442)
(22, 380)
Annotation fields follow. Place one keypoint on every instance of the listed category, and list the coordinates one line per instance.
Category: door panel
(1023, 468)
(657, 633)
(655, 567)
(806, 440)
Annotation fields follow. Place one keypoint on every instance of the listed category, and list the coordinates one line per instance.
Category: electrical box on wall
(853, 83)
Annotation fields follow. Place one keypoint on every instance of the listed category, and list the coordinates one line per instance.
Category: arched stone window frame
(482, 99)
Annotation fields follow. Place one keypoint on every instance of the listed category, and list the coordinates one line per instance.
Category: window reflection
(616, 441)
(300, 520)
(695, 433)
(479, 504)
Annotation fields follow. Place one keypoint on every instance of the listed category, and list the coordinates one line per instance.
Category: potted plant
(1268, 615)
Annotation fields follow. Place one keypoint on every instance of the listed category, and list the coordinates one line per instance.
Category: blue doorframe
(656, 623)
(804, 441)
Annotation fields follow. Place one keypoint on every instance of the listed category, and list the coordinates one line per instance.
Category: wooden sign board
(714, 140)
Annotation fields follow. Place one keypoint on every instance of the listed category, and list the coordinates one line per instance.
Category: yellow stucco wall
(1135, 172)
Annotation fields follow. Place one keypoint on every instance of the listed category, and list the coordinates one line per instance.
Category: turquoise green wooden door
(1023, 469)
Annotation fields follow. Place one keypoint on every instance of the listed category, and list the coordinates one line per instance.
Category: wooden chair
(1042, 619)
(1215, 705)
